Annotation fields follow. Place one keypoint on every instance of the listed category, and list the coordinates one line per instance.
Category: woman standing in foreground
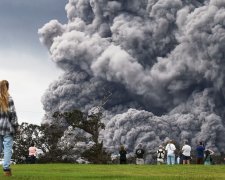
(8, 125)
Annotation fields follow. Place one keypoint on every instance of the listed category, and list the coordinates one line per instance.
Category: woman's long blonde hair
(4, 96)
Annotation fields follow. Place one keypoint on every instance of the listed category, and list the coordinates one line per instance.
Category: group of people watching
(183, 156)
(9, 127)
(139, 152)
(170, 154)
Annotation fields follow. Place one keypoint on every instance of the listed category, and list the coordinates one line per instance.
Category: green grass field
(75, 171)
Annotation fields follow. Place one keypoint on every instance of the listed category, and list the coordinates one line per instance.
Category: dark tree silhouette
(45, 137)
(28, 133)
(91, 124)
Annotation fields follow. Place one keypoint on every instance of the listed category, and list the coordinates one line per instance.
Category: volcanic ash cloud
(162, 60)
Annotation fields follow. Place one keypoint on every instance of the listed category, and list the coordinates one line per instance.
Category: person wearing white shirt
(170, 148)
(186, 152)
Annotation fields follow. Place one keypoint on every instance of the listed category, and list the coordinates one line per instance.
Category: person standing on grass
(140, 155)
(180, 157)
(186, 152)
(208, 157)
(160, 155)
(32, 154)
(200, 153)
(123, 155)
(8, 125)
(170, 149)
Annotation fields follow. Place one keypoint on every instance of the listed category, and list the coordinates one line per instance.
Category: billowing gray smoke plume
(162, 60)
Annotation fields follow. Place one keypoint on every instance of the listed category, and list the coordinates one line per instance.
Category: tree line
(59, 143)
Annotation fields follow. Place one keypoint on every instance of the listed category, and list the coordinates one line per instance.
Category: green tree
(28, 133)
(91, 124)
(45, 137)
(52, 134)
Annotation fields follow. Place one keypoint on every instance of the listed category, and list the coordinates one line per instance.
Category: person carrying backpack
(160, 155)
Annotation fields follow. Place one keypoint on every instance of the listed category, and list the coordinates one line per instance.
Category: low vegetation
(84, 171)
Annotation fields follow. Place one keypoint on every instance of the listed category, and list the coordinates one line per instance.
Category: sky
(24, 61)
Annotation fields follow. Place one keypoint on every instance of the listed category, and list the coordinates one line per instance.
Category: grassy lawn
(75, 171)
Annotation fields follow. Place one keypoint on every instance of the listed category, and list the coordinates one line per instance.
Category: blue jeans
(6, 143)
(171, 159)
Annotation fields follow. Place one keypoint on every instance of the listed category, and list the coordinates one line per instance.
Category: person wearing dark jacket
(8, 125)
(123, 155)
(140, 155)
